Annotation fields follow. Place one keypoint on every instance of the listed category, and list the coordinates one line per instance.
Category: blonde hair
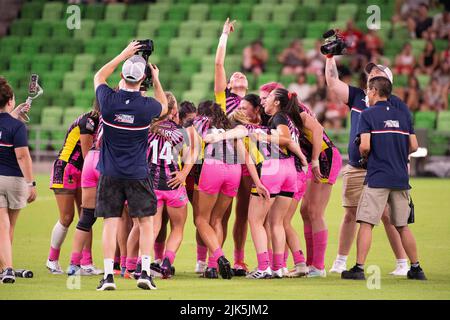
(171, 104)
(238, 117)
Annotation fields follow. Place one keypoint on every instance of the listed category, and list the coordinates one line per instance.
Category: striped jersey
(228, 100)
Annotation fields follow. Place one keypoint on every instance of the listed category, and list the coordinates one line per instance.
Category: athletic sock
(217, 253)
(202, 252)
(170, 255)
(298, 257)
(277, 261)
(415, 265)
(270, 252)
(263, 260)
(320, 240)
(75, 258)
(361, 266)
(87, 257)
(116, 260)
(123, 261)
(59, 233)
(341, 258)
(285, 258)
(307, 229)
(212, 263)
(159, 250)
(239, 255)
(109, 267)
(402, 263)
(131, 263)
(146, 260)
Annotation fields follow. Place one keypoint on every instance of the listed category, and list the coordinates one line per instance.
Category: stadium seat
(189, 65)
(200, 47)
(295, 30)
(115, 11)
(137, 12)
(178, 12)
(195, 96)
(251, 31)
(73, 81)
(41, 28)
(189, 29)
(31, 45)
(199, 82)
(105, 29)
(316, 29)
(261, 13)
(220, 12)
(417, 46)
(210, 29)
(168, 30)
(95, 46)
(178, 47)
(147, 29)
(85, 98)
(70, 114)
(86, 30)
(346, 11)
(281, 14)
(21, 27)
(51, 117)
(4, 63)
(443, 121)
(52, 11)
(84, 62)
(425, 119)
(41, 64)
(32, 10)
(95, 12)
(241, 12)
(62, 63)
(157, 12)
(51, 81)
(71, 46)
(266, 77)
(62, 99)
(126, 29)
(59, 30)
(20, 63)
(326, 12)
(304, 13)
(198, 12)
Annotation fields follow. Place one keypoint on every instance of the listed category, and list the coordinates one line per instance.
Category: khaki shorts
(374, 200)
(352, 185)
(13, 192)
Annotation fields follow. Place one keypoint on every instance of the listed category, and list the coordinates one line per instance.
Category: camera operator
(122, 164)
(17, 186)
(387, 139)
(353, 173)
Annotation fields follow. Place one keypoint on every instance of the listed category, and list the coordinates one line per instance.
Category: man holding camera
(387, 139)
(353, 173)
(122, 164)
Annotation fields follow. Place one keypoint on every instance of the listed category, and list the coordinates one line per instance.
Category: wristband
(315, 163)
(31, 184)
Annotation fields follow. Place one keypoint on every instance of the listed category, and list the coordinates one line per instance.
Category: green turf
(432, 230)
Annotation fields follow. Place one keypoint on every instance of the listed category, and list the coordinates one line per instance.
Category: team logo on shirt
(90, 124)
(124, 118)
(391, 124)
(0, 134)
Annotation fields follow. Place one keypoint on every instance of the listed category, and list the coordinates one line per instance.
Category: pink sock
(202, 251)
(320, 246)
(87, 257)
(298, 257)
(277, 261)
(263, 260)
(238, 256)
(123, 261)
(159, 250)
(170, 255)
(285, 258)
(54, 254)
(217, 253)
(309, 243)
(270, 252)
(212, 263)
(131, 263)
(75, 259)
(116, 260)
(139, 260)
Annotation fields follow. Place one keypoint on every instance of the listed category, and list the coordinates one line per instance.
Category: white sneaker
(200, 267)
(285, 271)
(401, 270)
(260, 274)
(90, 270)
(299, 270)
(338, 267)
(54, 267)
(316, 273)
(278, 274)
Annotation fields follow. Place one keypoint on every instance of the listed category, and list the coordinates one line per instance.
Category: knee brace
(87, 220)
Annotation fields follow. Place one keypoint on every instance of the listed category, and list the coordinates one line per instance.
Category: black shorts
(113, 192)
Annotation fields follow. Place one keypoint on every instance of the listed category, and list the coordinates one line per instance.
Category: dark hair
(6, 92)
(215, 114)
(382, 85)
(185, 108)
(289, 106)
(253, 99)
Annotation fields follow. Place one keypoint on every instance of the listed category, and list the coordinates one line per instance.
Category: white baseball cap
(133, 70)
(382, 68)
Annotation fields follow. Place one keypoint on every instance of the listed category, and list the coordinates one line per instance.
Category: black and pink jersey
(164, 148)
(98, 135)
(224, 151)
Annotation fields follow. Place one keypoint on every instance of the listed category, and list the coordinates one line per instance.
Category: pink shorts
(301, 186)
(218, 177)
(90, 174)
(276, 175)
(245, 172)
(330, 165)
(172, 198)
(65, 176)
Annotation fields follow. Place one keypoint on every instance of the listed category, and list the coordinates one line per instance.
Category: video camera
(146, 51)
(334, 43)
(363, 161)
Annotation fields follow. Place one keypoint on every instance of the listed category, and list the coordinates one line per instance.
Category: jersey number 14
(164, 154)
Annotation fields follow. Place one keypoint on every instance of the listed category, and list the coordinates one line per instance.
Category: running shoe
(240, 269)
(338, 267)
(416, 274)
(137, 273)
(166, 269)
(155, 270)
(90, 270)
(300, 270)
(401, 270)
(8, 276)
(355, 273)
(73, 270)
(260, 274)
(316, 273)
(210, 273)
(54, 267)
(224, 268)
(277, 274)
(107, 284)
(145, 281)
(200, 267)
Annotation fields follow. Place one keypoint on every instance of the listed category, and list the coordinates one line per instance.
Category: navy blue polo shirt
(13, 134)
(389, 127)
(126, 120)
(357, 104)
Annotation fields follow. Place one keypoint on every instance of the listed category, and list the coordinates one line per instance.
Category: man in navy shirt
(124, 174)
(387, 139)
(353, 174)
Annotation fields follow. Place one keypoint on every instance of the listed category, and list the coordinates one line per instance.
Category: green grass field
(432, 231)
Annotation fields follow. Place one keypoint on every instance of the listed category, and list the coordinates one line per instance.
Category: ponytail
(289, 106)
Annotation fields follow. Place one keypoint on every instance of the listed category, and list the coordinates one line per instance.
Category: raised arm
(220, 77)
(339, 87)
(158, 90)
